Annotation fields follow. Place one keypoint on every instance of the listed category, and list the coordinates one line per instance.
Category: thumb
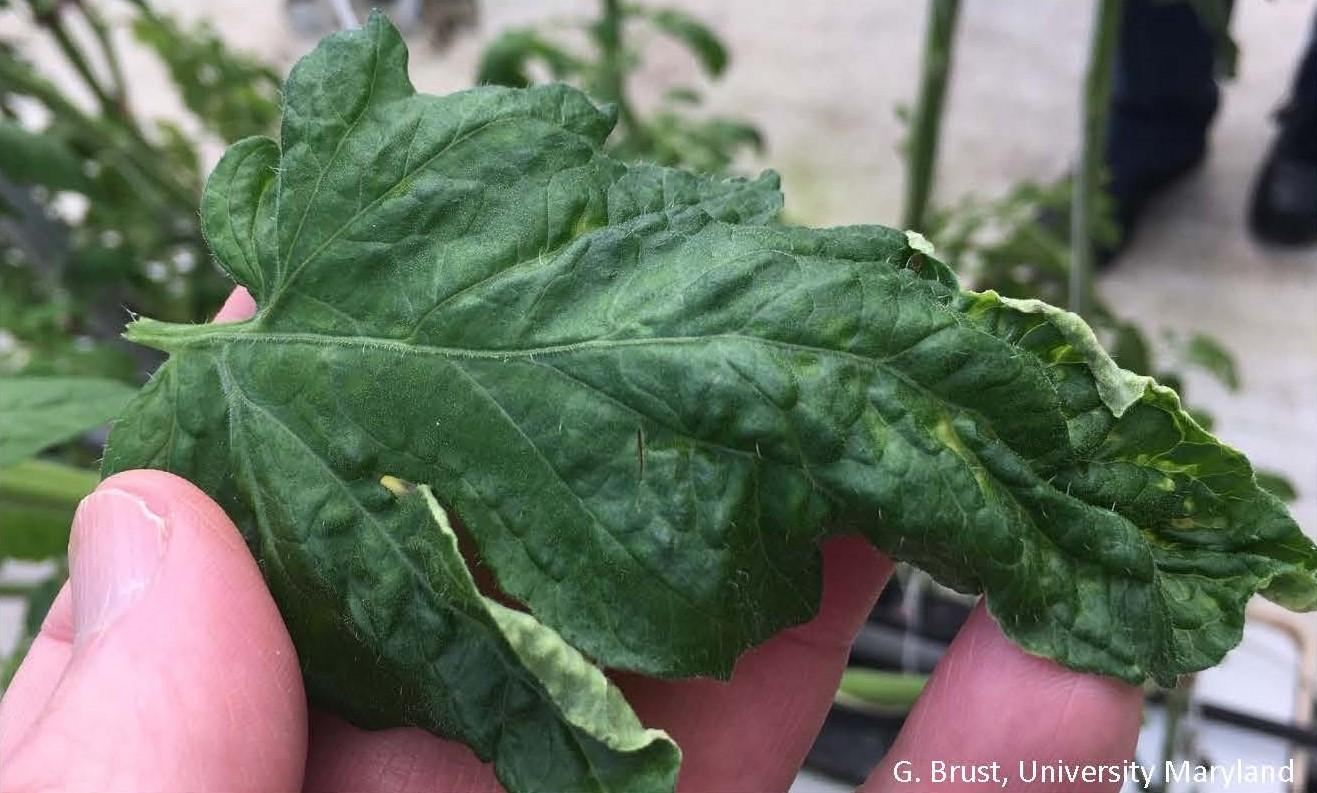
(163, 664)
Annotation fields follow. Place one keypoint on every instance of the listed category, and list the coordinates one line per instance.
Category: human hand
(164, 665)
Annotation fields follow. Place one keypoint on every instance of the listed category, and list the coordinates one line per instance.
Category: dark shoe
(1123, 205)
(1284, 208)
(1131, 194)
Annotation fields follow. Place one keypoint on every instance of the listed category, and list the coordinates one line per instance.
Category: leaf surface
(648, 402)
(38, 412)
(237, 210)
(695, 35)
(38, 499)
(33, 158)
(510, 687)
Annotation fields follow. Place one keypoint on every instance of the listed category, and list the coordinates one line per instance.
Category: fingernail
(115, 549)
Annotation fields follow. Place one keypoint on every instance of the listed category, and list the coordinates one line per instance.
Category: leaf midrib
(173, 342)
(173, 338)
(252, 335)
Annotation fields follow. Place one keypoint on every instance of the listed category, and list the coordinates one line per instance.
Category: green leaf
(682, 95)
(1130, 349)
(1207, 421)
(462, 658)
(703, 145)
(648, 401)
(507, 59)
(34, 158)
(237, 209)
(37, 502)
(232, 94)
(694, 34)
(39, 601)
(39, 412)
(1278, 485)
(1207, 354)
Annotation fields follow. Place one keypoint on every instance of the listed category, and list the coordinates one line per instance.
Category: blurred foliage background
(98, 221)
(99, 213)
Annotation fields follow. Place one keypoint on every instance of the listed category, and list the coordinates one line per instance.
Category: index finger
(989, 702)
(752, 733)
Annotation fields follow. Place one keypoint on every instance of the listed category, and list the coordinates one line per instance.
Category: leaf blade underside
(648, 402)
(37, 412)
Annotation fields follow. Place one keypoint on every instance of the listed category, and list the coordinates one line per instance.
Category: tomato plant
(648, 400)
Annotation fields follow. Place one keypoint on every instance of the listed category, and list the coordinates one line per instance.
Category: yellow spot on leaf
(396, 486)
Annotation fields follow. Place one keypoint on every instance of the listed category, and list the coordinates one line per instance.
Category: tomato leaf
(38, 412)
(648, 401)
(702, 42)
(507, 59)
(34, 158)
(1209, 355)
(38, 499)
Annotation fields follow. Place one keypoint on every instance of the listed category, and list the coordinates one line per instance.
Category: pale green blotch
(585, 697)
(919, 242)
(1118, 388)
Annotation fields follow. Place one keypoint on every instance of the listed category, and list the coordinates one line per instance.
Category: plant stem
(98, 133)
(894, 691)
(926, 122)
(1096, 108)
(1176, 707)
(101, 31)
(612, 78)
(347, 18)
(55, 25)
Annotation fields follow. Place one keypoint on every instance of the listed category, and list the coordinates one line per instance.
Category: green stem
(926, 121)
(1092, 147)
(891, 691)
(110, 54)
(54, 24)
(1177, 706)
(118, 140)
(171, 336)
(347, 18)
(612, 66)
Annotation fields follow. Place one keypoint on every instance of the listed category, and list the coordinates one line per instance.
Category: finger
(989, 701)
(749, 734)
(345, 758)
(172, 668)
(42, 668)
(752, 733)
(238, 306)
